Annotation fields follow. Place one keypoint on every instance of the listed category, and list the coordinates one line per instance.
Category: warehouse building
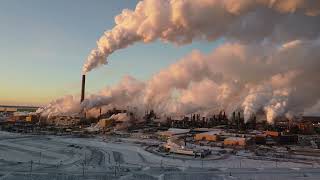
(104, 123)
(173, 132)
(271, 133)
(12, 109)
(8, 110)
(208, 136)
(235, 141)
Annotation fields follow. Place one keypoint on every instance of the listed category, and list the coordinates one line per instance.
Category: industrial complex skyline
(160, 89)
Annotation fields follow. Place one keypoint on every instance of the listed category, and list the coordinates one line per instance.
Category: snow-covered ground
(52, 157)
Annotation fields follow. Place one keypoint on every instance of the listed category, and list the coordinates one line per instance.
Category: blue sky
(43, 44)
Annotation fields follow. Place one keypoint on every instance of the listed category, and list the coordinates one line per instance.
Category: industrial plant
(201, 141)
(193, 135)
(242, 103)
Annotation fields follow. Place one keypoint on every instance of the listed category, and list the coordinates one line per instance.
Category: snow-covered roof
(213, 132)
(21, 113)
(202, 129)
(174, 131)
(178, 131)
(235, 139)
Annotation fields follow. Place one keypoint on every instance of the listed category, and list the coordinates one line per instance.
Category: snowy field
(50, 157)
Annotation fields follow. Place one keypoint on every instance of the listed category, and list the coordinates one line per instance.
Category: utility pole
(119, 168)
(40, 158)
(83, 164)
(31, 162)
(104, 161)
(85, 158)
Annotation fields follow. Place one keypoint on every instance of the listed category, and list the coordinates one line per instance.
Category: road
(50, 157)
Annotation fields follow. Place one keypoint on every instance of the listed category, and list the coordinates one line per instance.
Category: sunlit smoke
(182, 21)
(269, 59)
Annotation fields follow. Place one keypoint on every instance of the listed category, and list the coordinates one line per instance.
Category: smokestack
(83, 86)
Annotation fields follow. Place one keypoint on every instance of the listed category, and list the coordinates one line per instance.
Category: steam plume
(234, 76)
(182, 21)
(269, 61)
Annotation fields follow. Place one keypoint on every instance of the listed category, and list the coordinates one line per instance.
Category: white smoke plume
(67, 105)
(125, 93)
(270, 59)
(182, 21)
(233, 76)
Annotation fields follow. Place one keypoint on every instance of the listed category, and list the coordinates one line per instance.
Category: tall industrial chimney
(83, 87)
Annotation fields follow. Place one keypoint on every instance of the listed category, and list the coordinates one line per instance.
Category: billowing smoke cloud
(182, 21)
(275, 78)
(279, 79)
(270, 59)
(67, 105)
(126, 93)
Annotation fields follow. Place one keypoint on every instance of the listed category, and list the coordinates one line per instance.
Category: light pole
(40, 158)
(31, 162)
(115, 170)
(83, 164)
(85, 157)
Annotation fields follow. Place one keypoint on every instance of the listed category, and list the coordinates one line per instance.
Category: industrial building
(12, 109)
(63, 120)
(173, 132)
(104, 123)
(208, 136)
(271, 133)
(235, 141)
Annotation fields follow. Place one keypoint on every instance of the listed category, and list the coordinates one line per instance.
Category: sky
(44, 43)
